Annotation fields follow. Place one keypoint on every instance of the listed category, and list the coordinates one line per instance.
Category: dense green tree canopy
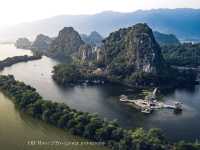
(187, 54)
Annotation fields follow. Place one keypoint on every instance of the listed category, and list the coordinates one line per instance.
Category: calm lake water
(17, 129)
(7, 50)
(104, 100)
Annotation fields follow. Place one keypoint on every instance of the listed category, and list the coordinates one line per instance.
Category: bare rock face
(41, 43)
(100, 54)
(133, 49)
(23, 43)
(66, 44)
(85, 53)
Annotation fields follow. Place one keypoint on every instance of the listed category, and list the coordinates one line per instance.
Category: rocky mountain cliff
(133, 49)
(66, 43)
(86, 53)
(127, 50)
(23, 43)
(129, 56)
(41, 43)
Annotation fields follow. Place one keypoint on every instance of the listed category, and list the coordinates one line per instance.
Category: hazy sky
(17, 11)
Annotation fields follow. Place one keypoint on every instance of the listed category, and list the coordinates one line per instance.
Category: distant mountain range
(184, 23)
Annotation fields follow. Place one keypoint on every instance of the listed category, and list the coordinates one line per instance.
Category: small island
(130, 56)
(23, 43)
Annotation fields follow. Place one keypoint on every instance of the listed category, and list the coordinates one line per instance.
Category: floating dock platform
(147, 106)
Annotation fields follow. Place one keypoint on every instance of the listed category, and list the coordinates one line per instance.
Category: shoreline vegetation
(17, 59)
(73, 74)
(84, 124)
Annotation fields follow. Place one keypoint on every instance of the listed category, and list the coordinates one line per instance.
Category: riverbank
(17, 59)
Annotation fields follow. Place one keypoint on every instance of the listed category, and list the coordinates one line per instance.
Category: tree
(155, 136)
